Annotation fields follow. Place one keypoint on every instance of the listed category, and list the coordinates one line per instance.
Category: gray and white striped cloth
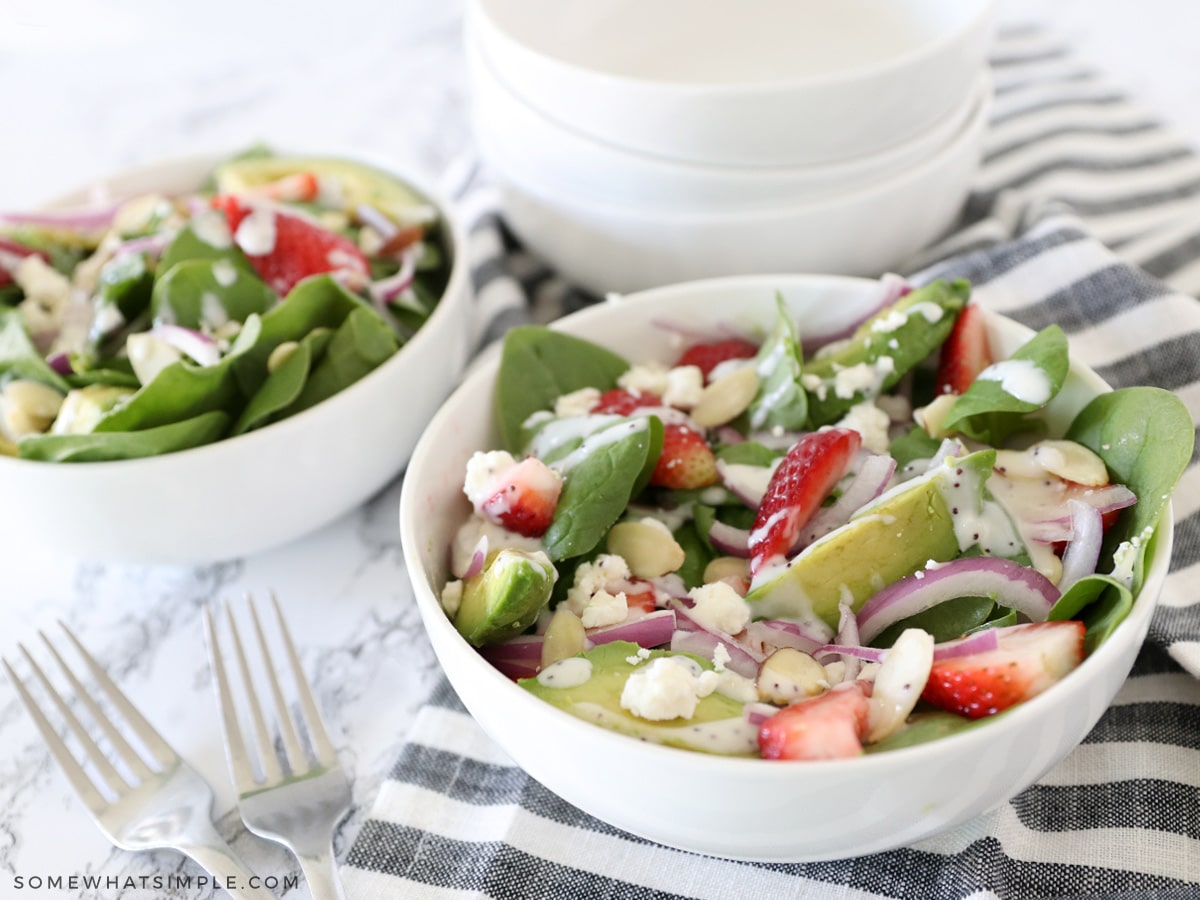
(1086, 213)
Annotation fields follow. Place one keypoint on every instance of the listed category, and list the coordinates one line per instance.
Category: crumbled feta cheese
(719, 608)
(1126, 555)
(641, 656)
(666, 688)
(593, 577)
(685, 384)
(814, 384)
(482, 471)
(871, 422)
(149, 355)
(864, 378)
(577, 403)
(452, 597)
(720, 657)
(736, 687)
(897, 406)
(604, 609)
(648, 378)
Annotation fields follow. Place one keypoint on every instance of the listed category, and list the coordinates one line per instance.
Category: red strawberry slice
(297, 187)
(807, 475)
(710, 355)
(965, 353)
(640, 597)
(686, 461)
(1030, 659)
(299, 248)
(523, 498)
(829, 726)
(620, 402)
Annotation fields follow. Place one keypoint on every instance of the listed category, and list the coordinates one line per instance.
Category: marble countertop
(95, 88)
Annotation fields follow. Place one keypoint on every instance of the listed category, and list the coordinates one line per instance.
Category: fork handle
(218, 859)
(320, 871)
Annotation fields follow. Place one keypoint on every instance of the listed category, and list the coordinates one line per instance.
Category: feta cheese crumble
(666, 688)
(719, 608)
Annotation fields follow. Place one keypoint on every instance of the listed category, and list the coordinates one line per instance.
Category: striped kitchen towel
(1085, 213)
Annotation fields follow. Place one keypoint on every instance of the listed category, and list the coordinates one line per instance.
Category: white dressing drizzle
(1020, 378)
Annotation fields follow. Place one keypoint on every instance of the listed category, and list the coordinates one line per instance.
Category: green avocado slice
(505, 598)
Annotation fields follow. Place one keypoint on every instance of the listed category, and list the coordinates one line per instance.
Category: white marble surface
(90, 87)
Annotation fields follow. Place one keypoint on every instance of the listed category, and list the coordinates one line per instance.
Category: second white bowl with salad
(753, 600)
(203, 359)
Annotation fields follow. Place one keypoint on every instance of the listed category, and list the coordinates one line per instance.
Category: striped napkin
(1085, 213)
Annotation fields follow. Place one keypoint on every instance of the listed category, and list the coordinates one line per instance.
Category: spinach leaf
(703, 517)
(748, 453)
(279, 391)
(189, 245)
(990, 413)
(926, 726)
(597, 489)
(103, 447)
(917, 444)
(204, 290)
(1101, 602)
(182, 391)
(357, 347)
(19, 358)
(537, 366)
(945, 622)
(781, 400)
(125, 283)
(887, 345)
(697, 554)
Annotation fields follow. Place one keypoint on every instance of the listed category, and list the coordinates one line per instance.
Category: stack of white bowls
(641, 143)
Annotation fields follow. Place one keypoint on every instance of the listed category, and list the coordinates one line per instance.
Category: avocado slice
(717, 726)
(506, 597)
(890, 539)
(886, 346)
(358, 183)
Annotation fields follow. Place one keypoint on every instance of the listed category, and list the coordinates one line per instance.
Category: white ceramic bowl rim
(982, 12)
(455, 236)
(968, 132)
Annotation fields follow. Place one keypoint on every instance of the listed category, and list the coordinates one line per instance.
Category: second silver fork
(299, 807)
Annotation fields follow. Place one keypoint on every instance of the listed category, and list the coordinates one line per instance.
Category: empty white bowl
(521, 140)
(746, 808)
(248, 493)
(604, 246)
(772, 82)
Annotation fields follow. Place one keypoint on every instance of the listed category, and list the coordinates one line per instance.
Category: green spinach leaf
(19, 358)
(195, 291)
(781, 401)
(104, 447)
(748, 453)
(917, 444)
(697, 554)
(359, 345)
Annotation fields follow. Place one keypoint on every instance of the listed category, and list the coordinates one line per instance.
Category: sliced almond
(932, 416)
(1071, 461)
(727, 567)
(647, 547)
(788, 675)
(565, 637)
(726, 398)
(1019, 464)
(38, 401)
(281, 354)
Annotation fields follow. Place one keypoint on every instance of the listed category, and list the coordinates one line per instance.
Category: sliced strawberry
(1030, 659)
(805, 477)
(287, 248)
(686, 461)
(297, 187)
(710, 355)
(641, 598)
(620, 402)
(523, 498)
(965, 353)
(829, 726)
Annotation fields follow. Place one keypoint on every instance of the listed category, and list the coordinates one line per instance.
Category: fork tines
(238, 749)
(116, 784)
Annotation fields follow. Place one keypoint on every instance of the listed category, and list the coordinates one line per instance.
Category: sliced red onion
(747, 483)
(151, 245)
(199, 346)
(369, 215)
(60, 362)
(80, 219)
(727, 435)
(756, 714)
(891, 288)
(1013, 585)
(847, 636)
(522, 648)
(850, 652)
(1109, 498)
(871, 481)
(776, 633)
(979, 642)
(704, 643)
(1082, 553)
(729, 540)
(650, 630)
(478, 556)
(388, 289)
(515, 668)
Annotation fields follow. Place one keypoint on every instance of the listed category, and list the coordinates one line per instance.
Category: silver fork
(147, 808)
(301, 807)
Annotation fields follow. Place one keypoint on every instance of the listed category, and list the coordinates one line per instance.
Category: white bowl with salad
(206, 358)
(790, 568)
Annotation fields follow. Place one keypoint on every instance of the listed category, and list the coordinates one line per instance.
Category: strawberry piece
(709, 355)
(523, 498)
(965, 353)
(807, 475)
(620, 402)
(686, 461)
(641, 597)
(299, 249)
(297, 187)
(829, 726)
(1030, 658)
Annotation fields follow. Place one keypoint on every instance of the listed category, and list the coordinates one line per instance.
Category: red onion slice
(60, 362)
(776, 633)
(851, 652)
(200, 347)
(80, 219)
(979, 642)
(871, 481)
(515, 668)
(1013, 585)
(369, 215)
(747, 483)
(478, 556)
(727, 435)
(704, 643)
(729, 540)
(891, 288)
(847, 636)
(522, 648)
(1082, 553)
(651, 630)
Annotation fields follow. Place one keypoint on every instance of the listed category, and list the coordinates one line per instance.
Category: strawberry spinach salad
(756, 547)
(162, 323)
